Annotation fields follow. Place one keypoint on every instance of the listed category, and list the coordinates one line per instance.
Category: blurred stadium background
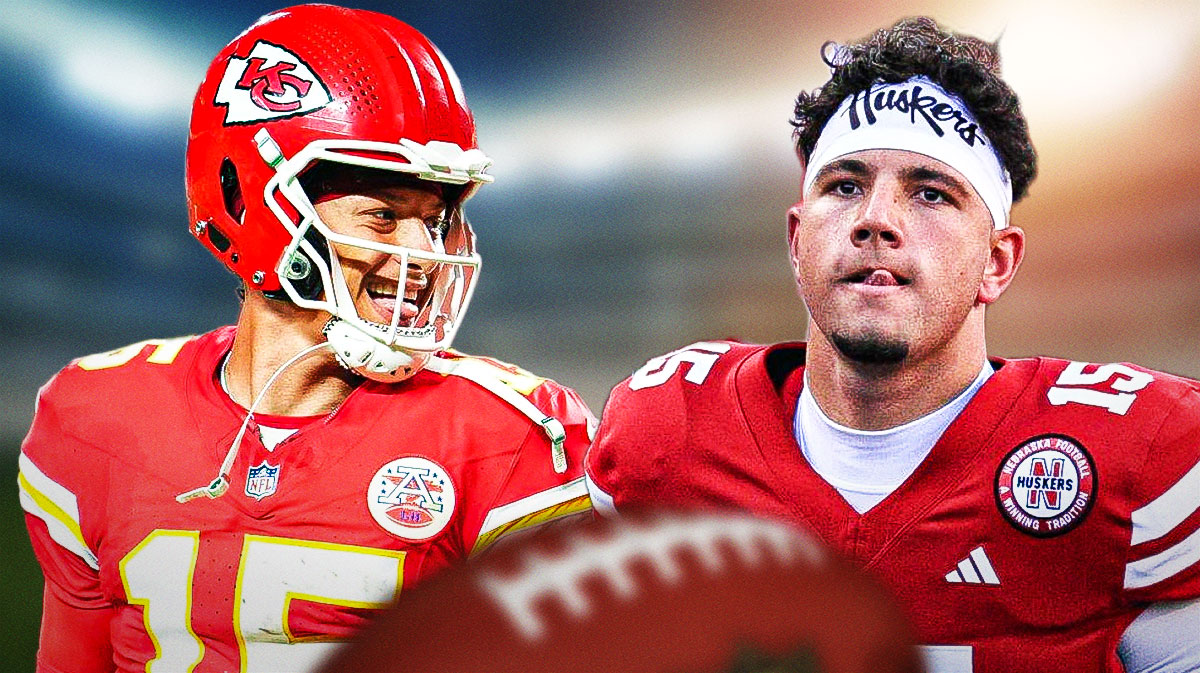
(643, 165)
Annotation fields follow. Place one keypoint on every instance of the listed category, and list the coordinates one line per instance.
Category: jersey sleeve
(539, 479)
(56, 473)
(74, 639)
(640, 430)
(1163, 563)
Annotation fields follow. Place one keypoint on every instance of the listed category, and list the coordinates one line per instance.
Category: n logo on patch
(270, 83)
(975, 569)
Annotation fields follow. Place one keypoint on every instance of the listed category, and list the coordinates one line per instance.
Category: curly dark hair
(964, 65)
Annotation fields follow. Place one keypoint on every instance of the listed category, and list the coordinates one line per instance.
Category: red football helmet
(665, 593)
(319, 83)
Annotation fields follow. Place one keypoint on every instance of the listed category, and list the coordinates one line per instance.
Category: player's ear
(793, 220)
(1007, 251)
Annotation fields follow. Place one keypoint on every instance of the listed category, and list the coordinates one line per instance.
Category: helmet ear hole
(219, 240)
(231, 191)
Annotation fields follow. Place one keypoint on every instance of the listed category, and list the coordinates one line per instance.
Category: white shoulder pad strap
(482, 375)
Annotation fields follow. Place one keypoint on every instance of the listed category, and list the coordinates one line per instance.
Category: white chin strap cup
(368, 356)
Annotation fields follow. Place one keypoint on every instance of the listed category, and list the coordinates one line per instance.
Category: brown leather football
(650, 593)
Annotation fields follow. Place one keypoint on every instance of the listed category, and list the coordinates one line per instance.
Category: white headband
(919, 116)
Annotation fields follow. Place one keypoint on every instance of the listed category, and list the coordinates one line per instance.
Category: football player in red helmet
(650, 593)
(242, 499)
(1031, 514)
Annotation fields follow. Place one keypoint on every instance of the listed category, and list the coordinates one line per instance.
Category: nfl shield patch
(261, 480)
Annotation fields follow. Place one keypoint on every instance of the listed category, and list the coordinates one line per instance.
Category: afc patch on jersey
(1046, 486)
(411, 498)
(270, 83)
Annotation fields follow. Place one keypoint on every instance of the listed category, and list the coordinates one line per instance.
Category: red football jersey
(312, 537)
(1061, 502)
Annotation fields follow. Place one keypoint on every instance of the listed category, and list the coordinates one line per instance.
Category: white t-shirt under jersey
(865, 466)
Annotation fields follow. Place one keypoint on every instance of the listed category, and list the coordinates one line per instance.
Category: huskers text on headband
(919, 116)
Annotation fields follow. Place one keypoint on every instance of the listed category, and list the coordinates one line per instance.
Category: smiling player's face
(407, 216)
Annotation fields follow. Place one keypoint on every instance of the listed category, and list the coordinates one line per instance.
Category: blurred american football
(652, 593)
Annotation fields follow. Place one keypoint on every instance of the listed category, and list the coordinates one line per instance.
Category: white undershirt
(865, 466)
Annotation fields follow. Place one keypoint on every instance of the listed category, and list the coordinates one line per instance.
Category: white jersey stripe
(52, 490)
(601, 502)
(985, 566)
(1161, 515)
(537, 502)
(1164, 564)
(51, 502)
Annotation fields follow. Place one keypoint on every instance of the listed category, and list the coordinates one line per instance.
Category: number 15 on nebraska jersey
(1058, 505)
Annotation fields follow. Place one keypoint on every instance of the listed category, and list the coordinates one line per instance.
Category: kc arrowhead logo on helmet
(270, 83)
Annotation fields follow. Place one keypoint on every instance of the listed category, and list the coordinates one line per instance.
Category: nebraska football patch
(1046, 486)
(411, 498)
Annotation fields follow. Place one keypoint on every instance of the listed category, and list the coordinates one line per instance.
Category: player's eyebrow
(400, 198)
(945, 180)
(851, 166)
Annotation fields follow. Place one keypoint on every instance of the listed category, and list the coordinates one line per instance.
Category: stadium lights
(102, 61)
(1090, 62)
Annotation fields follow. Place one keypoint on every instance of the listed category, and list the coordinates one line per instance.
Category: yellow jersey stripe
(62, 527)
(575, 505)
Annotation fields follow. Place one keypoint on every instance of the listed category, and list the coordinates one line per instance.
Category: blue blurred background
(643, 164)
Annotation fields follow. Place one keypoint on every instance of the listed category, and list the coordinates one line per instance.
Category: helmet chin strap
(355, 350)
(366, 355)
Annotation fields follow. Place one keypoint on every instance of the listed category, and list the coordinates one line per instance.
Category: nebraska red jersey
(1061, 502)
(312, 537)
